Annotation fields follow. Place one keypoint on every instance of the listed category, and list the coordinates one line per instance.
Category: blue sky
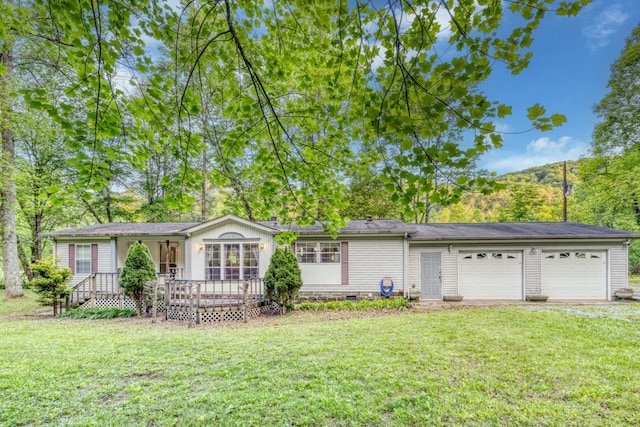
(568, 74)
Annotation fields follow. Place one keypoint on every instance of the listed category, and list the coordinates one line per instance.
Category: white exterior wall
(104, 256)
(532, 272)
(532, 251)
(370, 259)
(450, 271)
(199, 238)
(618, 268)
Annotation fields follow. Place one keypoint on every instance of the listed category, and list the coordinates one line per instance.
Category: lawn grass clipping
(482, 366)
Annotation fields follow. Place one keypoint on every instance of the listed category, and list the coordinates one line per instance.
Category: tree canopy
(276, 103)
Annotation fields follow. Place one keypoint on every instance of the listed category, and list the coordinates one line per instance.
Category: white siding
(532, 272)
(320, 274)
(369, 261)
(199, 238)
(104, 256)
(618, 268)
(450, 273)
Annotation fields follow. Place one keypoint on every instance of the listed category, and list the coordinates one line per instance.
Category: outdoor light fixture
(261, 246)
(200, 247)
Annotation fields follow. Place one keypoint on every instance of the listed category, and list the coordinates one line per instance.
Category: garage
(574, 274)
(490, 274)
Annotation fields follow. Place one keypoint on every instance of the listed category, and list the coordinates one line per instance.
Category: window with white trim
(318, 252)
(83, 258)
(232, 261)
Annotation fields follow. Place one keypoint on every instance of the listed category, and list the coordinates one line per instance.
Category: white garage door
(574, 274)
(490, 275)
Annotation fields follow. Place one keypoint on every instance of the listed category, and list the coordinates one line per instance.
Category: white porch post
(187, 258)
(114, 254)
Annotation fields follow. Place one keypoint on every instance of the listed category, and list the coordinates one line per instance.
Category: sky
(568, 74)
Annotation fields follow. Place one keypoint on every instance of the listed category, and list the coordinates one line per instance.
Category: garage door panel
(490, 275)
(574, 274)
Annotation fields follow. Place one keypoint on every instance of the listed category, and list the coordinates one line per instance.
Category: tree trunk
(26, 263)
(10, 262)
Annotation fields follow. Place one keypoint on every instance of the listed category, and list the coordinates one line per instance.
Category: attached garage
(574, 274)
(490, 274)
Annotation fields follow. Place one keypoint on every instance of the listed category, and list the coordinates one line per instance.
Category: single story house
(484, 261)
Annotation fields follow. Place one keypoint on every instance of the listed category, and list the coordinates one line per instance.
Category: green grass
(362, 305)
(634, 281)
(545, 365)
(20, 306)
(98, 313)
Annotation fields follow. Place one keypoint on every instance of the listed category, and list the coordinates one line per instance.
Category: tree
(137, 272)
(283, 278)
(612, 177)
(12, 280)
(50, 281)
(305, 85)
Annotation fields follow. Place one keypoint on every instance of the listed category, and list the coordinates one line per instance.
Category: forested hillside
(534, 194)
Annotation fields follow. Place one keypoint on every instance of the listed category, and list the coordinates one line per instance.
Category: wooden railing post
(199, 289)
(244, 301)
(92, 292)
(190, 306)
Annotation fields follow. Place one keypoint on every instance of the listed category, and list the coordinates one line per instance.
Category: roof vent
(369, 218)
(273, 218)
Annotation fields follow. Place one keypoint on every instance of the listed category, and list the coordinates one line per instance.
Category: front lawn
(540, 365)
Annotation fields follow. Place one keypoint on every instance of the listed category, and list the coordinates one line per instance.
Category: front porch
(192, 301)
(203, 301)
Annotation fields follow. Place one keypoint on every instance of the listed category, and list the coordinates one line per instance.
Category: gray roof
(517, 230)
(426, 232)
(126, 229)
(376, 226)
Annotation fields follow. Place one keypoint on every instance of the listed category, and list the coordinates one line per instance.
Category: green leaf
(558, 119)
(504, 110)
(535, 111)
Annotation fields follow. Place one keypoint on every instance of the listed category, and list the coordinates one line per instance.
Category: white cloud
(538, 152)
(603, 25)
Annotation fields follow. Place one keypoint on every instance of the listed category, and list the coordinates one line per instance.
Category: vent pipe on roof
(369, 218)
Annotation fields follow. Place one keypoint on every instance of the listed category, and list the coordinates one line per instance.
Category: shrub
(362, 305)
(98, 313)
(50, 282)
(139, 269)
(283, 278)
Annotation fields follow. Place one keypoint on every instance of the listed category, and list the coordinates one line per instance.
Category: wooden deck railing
(174, 273)
(194, 296)
(103, 285)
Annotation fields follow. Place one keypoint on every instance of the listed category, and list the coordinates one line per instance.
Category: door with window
(168, 258)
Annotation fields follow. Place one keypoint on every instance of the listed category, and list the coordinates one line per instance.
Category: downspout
(405, 273)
